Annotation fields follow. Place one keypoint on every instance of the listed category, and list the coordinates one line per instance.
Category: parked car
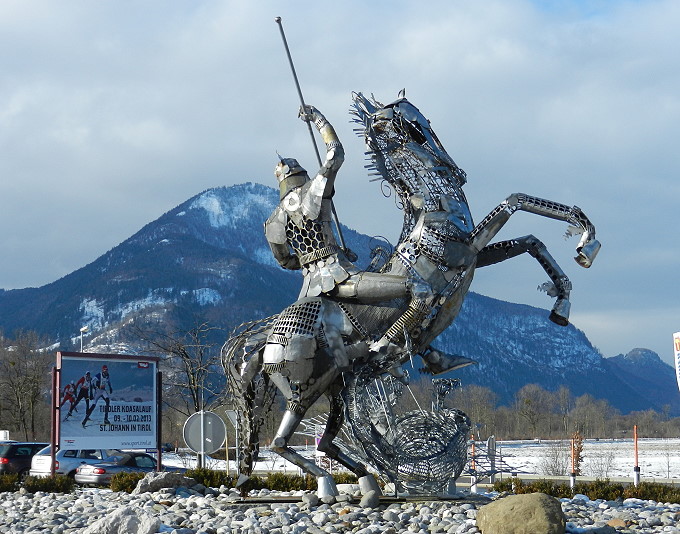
(128, 462)
(15, 456)
(67, 460)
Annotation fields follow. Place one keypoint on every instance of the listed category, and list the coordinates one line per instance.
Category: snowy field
(657, 458)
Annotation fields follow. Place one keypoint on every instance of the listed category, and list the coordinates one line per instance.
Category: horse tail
(250, 390)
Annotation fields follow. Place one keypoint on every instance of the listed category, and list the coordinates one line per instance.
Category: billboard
(676, 346)
(106, 401)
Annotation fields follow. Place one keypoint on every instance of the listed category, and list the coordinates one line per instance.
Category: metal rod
(384, 403)
(408, 386)
(309, 126)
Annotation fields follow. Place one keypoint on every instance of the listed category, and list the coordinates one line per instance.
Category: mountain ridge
(208, 257)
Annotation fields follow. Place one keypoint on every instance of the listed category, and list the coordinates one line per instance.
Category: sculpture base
(369, 483)
(326, 487)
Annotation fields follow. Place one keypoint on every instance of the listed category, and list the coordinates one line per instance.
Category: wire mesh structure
(431, 449)
(418, 450)
(441, 388)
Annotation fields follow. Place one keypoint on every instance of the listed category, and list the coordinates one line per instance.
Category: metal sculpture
(418, 451)
(336, 341)
(441, 388)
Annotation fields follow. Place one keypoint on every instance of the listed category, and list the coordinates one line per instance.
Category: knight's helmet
(290, 175)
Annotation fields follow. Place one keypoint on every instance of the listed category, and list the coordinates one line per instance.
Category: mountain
(648, 376)
(207, 258)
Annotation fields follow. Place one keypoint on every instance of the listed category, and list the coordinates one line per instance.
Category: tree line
(538, 413)
(193, 380)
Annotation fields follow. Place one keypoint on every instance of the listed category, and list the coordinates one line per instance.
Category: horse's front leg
(560, 287)
(291, 420)
(302, 380)
(485, 231)
(367, 481)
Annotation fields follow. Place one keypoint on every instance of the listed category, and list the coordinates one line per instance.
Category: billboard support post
(676, 353)
(159, 419)
(54, 431)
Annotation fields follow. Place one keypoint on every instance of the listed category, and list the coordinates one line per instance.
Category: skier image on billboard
(101, 385)
(68, 395)
(83, 389)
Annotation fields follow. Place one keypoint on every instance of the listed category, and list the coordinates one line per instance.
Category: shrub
(345, 478)
(51, 484)
(210, 478)
(286, 482)
(125, 481)
(598, 489)
(504, 485)
(549, 487)
(9, 482)
(653, 491)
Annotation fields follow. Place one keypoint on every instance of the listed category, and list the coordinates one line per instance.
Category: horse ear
(402, 93)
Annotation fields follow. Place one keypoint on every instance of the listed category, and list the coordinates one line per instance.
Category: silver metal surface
(350, 331)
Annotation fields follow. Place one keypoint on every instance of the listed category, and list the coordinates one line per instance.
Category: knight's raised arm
(335, 153)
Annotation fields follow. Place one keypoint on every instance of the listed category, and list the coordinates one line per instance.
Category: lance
(309, 126)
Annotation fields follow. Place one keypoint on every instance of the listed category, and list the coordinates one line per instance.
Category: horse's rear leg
(289, 423)
(561, 286)
(367, 481)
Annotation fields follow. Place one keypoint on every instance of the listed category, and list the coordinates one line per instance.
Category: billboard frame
(55, 431)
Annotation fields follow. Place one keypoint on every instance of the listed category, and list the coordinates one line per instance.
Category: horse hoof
(326, 487)
(558, 319)
(560, 312)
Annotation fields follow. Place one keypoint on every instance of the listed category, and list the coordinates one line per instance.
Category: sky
(114, 112)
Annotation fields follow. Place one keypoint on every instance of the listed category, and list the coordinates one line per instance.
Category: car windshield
(46, 450)
(117, 458)
(109, 453)
(4, 449)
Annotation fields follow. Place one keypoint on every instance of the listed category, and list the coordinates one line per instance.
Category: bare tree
(190, 362)
(591, 416)
(564, 404)
(555, 459)
(479, 403)
(533, 403)
(25, 384)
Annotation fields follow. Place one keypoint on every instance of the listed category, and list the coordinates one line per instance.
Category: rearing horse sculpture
(330, 343)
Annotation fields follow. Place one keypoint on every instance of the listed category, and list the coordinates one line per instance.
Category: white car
(67, 460)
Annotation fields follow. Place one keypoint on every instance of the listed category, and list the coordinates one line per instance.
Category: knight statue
(350, 330)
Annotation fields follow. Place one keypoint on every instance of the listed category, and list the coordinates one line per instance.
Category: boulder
(371, 499)
(310, 499)
(155, 481)
(532, 513)
(606, 529)
(125, 520)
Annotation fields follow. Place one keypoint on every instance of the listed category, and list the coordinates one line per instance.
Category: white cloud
(111, 113)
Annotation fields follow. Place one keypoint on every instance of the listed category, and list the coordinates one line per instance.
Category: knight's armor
(300, 234)
(299, 231)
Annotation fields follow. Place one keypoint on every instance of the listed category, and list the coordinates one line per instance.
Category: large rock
(155, 481)
(370, 500)
(124, 521)
(532, 513)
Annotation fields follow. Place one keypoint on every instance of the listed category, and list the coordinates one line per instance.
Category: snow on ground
(657, 458)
